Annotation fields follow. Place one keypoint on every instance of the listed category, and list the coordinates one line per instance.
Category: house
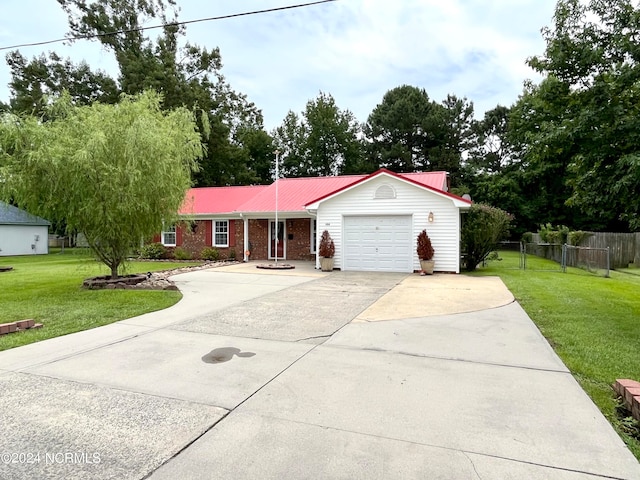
(22, 233)
(373, 219)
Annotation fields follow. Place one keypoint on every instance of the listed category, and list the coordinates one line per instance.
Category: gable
(387, 183)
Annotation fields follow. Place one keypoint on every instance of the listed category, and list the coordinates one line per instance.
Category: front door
(277, 243)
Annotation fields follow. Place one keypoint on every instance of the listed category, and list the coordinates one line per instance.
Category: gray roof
(10, 215)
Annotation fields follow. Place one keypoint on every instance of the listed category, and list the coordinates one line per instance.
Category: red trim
(208, 235)
(232, 232)
(392, 174)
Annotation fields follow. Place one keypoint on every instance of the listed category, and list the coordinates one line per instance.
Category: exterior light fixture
(430, 217)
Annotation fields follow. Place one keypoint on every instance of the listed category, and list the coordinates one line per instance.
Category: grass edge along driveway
(592, 322)
(48, 289)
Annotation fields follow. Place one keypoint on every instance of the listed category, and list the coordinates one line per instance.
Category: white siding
(18, 239)
(410, 200)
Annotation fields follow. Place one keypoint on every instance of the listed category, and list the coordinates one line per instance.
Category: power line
(186, 22)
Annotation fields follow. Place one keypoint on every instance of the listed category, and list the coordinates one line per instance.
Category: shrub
(544, 232)
(181, 254)
(153, 251)
(554, 235)
(527, 237)
(327, 249)
(484, 226)
(232, 254)
(577, 237)
(210, 253)
(424, 248)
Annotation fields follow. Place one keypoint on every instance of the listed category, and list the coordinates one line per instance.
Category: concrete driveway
(301, 374)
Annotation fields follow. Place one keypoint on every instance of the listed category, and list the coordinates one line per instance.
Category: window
(221, 233)
(169, 236)
(314, 234)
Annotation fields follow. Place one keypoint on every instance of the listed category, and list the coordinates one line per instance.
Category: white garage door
(378, 243)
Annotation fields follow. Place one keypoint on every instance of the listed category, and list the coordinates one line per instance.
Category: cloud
(354, 49)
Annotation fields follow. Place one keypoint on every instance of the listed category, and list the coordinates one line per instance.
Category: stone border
(106, 282)
(273, 266)
(160, 280)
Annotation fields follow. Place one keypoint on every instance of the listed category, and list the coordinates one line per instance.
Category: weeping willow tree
(111, 172)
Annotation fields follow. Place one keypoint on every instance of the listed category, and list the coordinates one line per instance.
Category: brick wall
(194, 239)
(194, 236)
(235, 248)
(259, 239)
(298, 247)
(297, 241)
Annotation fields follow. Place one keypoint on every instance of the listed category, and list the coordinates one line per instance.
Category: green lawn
(592, 322)
(47, 288)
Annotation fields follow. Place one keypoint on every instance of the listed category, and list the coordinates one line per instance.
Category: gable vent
(385, 192)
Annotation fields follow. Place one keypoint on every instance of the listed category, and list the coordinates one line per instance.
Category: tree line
(567, 151)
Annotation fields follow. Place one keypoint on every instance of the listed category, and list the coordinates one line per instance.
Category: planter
(326, 264)
(427, 266)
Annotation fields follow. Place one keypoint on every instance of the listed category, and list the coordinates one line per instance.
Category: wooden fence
(624, 248)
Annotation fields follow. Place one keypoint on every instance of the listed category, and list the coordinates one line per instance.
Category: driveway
(299, 374)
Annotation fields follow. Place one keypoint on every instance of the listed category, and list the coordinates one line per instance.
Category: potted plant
(326, 251)
(425, 253)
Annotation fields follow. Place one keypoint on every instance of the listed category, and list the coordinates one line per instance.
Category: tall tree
(324, 141)
(456, 127)
(112, 172)
(409, 132)
(259, 147)
(32, 82)
(491, 151)
(185, 74)
(492, 172)
(402, 129)
(593, 52)
(290, 138)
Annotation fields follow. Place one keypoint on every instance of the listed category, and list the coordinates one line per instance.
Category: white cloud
(354, 49)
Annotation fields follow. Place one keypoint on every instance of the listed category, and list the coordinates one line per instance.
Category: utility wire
(186, 22)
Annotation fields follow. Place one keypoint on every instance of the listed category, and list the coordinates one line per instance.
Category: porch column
(246, 238)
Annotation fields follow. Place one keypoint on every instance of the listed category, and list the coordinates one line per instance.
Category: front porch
(250, 238)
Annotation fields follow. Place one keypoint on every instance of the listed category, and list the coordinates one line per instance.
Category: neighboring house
(22, 233)
(374, 220)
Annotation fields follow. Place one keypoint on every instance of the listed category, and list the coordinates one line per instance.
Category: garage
(22, 233)
(374, 222)
(378, 243)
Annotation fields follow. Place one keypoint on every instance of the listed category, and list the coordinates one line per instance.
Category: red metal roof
(215, 200)
(293, 193)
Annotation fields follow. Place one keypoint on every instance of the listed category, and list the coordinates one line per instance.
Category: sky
(356, 50)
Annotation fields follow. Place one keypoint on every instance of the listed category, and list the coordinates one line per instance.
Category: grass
(630, 270)
(592, 322)
(47, 288)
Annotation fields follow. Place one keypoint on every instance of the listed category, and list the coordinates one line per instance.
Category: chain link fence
(594, 260)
